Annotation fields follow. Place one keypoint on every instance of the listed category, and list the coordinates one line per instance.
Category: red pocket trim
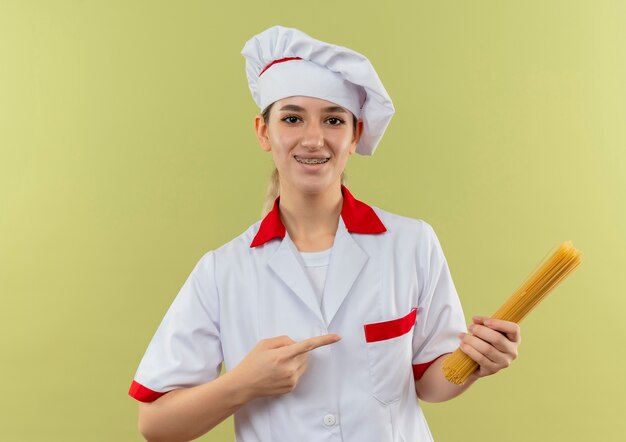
(380, 331)
(143, 394)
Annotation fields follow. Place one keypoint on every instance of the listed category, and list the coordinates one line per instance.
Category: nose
(313, 137)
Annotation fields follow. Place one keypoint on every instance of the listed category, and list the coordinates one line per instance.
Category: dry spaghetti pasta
(458, 366)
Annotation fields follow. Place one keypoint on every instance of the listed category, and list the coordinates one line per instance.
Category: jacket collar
(357, 216)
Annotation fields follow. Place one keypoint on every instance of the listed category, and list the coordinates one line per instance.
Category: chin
(313, 188)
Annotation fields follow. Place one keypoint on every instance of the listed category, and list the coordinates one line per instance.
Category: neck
(311, 219)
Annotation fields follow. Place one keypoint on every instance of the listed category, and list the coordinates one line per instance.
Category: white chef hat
(283, 62)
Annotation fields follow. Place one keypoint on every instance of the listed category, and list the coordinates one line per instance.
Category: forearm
(186, 414)
(434, 387)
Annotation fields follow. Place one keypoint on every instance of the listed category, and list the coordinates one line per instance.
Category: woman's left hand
(493, 344)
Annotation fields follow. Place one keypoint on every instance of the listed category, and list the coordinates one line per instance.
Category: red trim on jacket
(420, 369)
(271, 227)
(380, 331)
(143, 394)
(357, 216)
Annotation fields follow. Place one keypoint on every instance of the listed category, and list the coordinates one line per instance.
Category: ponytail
(273, 187)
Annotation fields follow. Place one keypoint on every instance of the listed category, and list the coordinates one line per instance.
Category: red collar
(357, 216)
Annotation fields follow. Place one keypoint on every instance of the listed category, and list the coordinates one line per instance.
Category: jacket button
(329, 420)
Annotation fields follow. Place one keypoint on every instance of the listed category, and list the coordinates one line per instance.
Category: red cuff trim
(143, 394)
(420, 369)
(380, 331)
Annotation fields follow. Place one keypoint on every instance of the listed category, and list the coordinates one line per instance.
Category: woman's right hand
(274, 365)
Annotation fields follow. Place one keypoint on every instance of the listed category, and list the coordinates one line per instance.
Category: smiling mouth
(311, 160)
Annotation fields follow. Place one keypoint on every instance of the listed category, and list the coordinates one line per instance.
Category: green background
(127, 151)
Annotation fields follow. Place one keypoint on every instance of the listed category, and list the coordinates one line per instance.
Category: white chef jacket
(388, 294)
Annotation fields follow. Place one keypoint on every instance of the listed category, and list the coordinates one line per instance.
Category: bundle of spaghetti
(458, 366)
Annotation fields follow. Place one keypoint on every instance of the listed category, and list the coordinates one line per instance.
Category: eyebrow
(296, 108)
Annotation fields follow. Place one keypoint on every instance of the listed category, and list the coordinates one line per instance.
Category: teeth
(312, 160)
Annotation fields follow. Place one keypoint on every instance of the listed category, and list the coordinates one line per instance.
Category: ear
(357, 136)
(262, 133)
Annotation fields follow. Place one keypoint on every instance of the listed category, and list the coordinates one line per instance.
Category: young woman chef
(331, 316)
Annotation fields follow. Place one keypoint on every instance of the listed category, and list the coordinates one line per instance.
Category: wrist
(238, 389)
(473, 377)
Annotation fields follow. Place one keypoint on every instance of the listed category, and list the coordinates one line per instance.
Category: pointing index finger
(309, 344)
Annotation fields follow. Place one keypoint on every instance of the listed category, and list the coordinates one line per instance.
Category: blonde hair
(273, 187)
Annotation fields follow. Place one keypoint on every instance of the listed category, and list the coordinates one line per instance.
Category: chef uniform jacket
(388, 294)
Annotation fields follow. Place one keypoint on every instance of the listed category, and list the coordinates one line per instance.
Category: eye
(290, 119)
(334, 121)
